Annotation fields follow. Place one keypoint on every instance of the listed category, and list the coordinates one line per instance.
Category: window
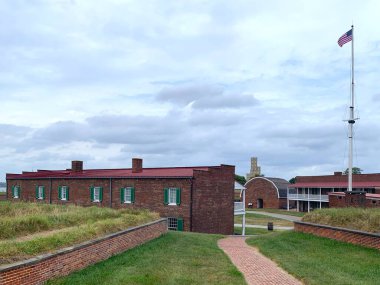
(96, 194)
(16, 192)
(40, 192)
(172, 196)
(63, 193)
(175, 224)
(127, 195)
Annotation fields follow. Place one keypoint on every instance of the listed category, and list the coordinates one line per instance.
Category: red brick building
(312, 192)
(266, 192)
(199, 199)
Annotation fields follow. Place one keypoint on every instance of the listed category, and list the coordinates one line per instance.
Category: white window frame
(172, 224)
(127, 198)
(64, 193)
(172, 196)
(16, 189)
(97, 194)
(40, 192)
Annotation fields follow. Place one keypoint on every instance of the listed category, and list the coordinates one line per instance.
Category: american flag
(345, 38)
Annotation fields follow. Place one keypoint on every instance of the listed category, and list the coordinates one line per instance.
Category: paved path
(256, 268)
(265, 227)
(280, 216)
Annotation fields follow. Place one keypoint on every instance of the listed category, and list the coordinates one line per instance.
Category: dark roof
(169, 172)
(281, 184)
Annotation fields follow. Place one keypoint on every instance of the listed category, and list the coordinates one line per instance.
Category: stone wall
(341, 234)
(63, 262)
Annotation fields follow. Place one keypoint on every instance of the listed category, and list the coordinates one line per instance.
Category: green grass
(316, 260)
(364, 219)
(28, 229)
(278, 211)
(175, 258)
(258, 219)
(252, 231)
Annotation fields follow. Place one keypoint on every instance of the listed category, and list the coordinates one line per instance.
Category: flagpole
(351, 121)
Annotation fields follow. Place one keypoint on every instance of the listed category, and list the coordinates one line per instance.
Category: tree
(240, 179)
(292, 180)
(355, 170)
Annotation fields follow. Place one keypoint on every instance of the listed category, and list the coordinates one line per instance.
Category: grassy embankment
(364, 219)
(28, 229)
(175, 258)
(316, 260)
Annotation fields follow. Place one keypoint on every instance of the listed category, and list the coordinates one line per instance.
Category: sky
(188, 83)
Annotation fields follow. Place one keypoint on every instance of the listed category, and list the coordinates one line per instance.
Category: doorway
(260, 203)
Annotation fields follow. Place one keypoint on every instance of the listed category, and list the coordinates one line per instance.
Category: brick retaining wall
(341, 234)
(62, 262)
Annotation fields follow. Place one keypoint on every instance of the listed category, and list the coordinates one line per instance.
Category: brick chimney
(77, 165)
(137, 164)
(338, 173)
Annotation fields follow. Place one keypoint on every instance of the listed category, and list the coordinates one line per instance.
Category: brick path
(256, 268)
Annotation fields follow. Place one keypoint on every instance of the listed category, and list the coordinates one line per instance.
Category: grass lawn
(258, 219)
(364, 219)
(252, 231)
(175, 258)
(278, 211)
(316, 260)
(28, 229)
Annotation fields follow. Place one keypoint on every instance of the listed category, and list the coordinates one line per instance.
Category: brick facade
(42, 268)
(347, 199)
(206, 195)
(263, 193)
(341, 234)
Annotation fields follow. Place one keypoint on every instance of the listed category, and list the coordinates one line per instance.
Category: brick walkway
(256, 268)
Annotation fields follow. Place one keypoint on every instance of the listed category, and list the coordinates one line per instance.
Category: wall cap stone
(377, 235)
(39, 258)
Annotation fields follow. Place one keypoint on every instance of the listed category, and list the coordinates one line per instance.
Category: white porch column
(308, 200)
(287, 197)
(243, 229)
(320, 198)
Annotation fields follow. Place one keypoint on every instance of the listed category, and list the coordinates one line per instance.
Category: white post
(243, 225)
(287, 196)
(320, 198)
(351, 121)
(308, 200)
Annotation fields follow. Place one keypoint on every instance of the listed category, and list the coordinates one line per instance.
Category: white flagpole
(351, 121)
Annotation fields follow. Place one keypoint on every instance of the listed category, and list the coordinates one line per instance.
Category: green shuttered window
(63, 193)
(127, 195)
(96, 194)
(16, 192)
(172, 196)
(40, 192)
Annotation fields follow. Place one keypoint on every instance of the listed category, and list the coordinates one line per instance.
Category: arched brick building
(266, 192)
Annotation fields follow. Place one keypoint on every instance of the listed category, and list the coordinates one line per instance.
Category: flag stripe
(345, 38)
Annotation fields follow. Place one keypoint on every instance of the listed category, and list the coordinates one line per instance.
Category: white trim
(18, 192)
(260, 177)
(40, 192)
(125, 195)
(97, 189)
(173, 190)
(64, 190)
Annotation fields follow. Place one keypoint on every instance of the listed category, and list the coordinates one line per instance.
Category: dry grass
(364, 219)
(27, 229)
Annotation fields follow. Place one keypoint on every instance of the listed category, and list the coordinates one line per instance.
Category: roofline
(278, 193)
(102, 177)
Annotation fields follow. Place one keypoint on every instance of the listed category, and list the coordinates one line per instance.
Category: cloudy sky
(182, 83)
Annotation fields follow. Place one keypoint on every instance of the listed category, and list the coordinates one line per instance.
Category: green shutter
(101, 194)
(19, 192)
(178, 196)
(13, 191)
(60, 192)
(122, 195)
(37, 192)
(166, 196)
(67, 193)
(180, 224)
(132, 194)
(92, 193)
(43, 192)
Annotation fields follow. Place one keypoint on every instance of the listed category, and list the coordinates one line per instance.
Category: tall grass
(27, 229)
(364, 219)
